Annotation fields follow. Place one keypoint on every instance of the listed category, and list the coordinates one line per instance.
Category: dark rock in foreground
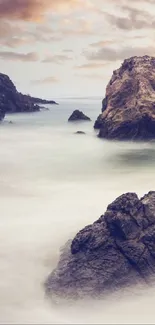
(77, 116)
(12, 101)
(80, 132)
(117, 250)
(128, 110)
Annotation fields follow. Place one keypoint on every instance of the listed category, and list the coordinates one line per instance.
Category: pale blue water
(53, 182)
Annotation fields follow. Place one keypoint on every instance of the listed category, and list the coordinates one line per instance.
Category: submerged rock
(117, 250)
(129, 106)
(78, 115)
(80, 132)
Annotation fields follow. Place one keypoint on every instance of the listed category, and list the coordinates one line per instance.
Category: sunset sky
(52, 48)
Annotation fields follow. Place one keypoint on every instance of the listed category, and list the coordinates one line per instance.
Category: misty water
(53, 182)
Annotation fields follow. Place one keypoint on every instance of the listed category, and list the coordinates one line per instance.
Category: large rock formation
(12, 101)
(77, 116)
(117, 250)
(128, 110)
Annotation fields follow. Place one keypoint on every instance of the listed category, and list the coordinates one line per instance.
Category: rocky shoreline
(116, 251)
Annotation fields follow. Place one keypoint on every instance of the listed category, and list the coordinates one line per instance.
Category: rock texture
(77, 116)
(117, 250)
(128, 110)
(12, 101)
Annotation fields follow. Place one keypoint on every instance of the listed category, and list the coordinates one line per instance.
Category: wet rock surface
(117, 250)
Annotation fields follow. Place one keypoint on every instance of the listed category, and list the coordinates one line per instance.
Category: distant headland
(12, 101)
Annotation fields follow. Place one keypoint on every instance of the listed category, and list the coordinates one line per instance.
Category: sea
(54, 182)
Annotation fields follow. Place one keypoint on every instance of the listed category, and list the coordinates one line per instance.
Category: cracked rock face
(117, 250)
(128, 109)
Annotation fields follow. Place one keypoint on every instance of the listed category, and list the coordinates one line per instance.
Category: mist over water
(53, 182)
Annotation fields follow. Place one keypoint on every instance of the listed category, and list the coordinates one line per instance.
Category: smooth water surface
(53, 182)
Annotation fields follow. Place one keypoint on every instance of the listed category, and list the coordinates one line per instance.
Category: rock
(128, 110)
(77, 116)
(39, 101)
(116, 251)
(12, 101)
(80, 132)
(98, 122)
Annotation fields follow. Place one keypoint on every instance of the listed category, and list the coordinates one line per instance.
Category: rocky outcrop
(129, 106)
(39, 101)
(77, 116)
(12, 101)
(117, 250)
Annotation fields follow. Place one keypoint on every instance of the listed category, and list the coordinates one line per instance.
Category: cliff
(128, 109)
(12, 101)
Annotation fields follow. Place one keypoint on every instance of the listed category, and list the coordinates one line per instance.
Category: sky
(62, 48)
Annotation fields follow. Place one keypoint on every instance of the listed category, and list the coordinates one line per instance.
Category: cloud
(17, 34)
(46, 80)
(111, 54)
(92, 65)
(58, 59)
(101, 43)
(34, 10)
(131, 18)
(67, 51)
(13, 56)
(91, 76)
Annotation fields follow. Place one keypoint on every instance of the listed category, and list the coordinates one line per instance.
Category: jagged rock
(12, 101)
(129, 106)
(117, 250)
(80, 132)
(77, 116)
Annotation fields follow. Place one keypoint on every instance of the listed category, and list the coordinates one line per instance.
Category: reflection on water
(135, 157)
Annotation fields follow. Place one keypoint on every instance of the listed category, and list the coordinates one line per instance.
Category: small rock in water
(115, 251)
(80, 132)
(77, 116)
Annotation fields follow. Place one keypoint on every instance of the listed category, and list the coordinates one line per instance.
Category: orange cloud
(13, 56)
(102, 43)
(34, 10)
